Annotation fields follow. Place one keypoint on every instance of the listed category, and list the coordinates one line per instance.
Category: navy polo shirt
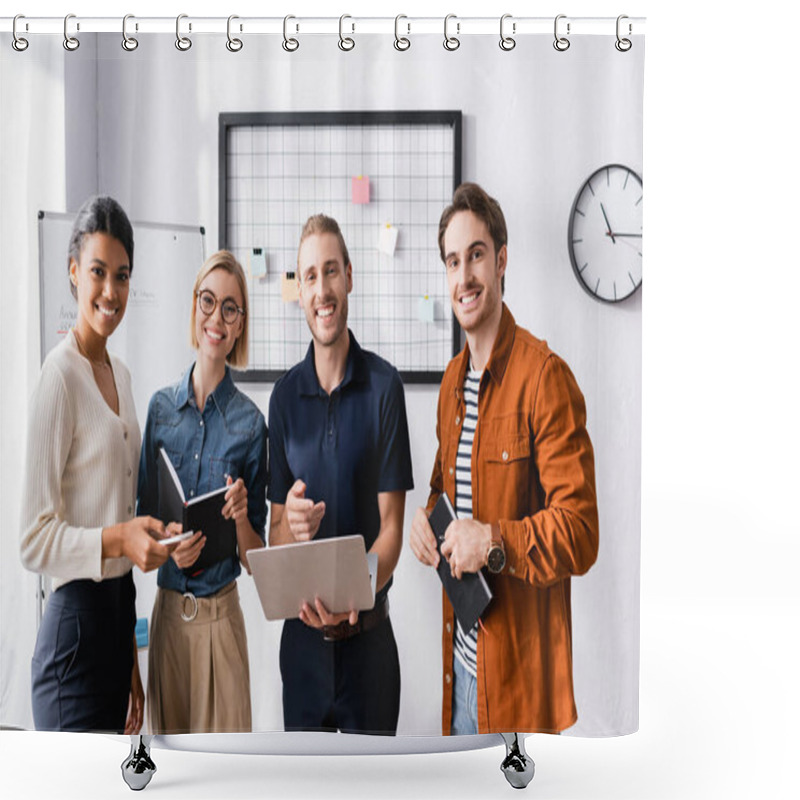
(346, 447)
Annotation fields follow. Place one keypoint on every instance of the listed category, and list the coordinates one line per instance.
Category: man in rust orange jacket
(516, 460)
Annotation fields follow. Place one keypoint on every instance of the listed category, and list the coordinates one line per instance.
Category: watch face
(496, 560)
(605, 234)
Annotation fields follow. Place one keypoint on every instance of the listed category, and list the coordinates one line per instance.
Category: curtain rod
(347, 25)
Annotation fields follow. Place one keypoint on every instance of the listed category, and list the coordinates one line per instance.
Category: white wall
(536, 124)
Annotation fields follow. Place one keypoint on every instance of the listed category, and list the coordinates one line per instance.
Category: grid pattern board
(282, 168)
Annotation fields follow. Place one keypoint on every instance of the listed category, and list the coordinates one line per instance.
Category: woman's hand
(133, 723)
(236, 501)
(138, 540)
(187, 551)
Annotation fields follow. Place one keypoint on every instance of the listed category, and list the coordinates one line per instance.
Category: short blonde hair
(223, 259)
(319, 224)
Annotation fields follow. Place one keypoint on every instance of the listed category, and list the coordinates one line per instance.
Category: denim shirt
(229, 437)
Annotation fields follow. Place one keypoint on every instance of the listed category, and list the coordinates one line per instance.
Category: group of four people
(514, 456)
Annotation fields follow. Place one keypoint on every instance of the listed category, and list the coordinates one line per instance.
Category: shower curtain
(240, 147)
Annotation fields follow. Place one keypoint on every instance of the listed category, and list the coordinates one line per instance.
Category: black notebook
(203, 513)
(470, 595)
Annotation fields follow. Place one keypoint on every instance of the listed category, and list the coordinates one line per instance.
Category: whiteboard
(153, 337)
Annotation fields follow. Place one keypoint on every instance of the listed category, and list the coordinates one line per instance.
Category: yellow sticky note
(289, 288)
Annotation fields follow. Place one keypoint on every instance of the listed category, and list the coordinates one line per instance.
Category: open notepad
(202, 513)
(338, 571)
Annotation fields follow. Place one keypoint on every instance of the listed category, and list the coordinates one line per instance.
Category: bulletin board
(385, 177)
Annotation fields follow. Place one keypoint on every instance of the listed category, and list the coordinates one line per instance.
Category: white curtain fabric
(537, 123)
(32, 154)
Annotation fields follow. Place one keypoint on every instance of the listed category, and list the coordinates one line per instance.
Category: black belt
(367, 620)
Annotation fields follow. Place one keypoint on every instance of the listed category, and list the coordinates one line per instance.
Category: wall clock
(605, 234)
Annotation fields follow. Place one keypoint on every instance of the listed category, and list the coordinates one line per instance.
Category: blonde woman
(198, 672)
(79, 491)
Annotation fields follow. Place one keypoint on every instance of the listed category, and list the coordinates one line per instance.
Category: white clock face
(605, 234)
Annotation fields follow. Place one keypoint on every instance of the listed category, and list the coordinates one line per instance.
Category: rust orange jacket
(533, 473)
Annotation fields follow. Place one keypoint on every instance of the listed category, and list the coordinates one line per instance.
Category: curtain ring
(401, 42)
(507, 42)
(289, 44)
(18, 42)
(623, 45)
(561, 43)
(451, 42)
(346, 43)
(183, 43)
(129, 43)
(233, 44)
(70, 42)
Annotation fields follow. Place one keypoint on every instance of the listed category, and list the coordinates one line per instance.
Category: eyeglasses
(208, 304)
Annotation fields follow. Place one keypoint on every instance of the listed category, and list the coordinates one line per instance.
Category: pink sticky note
(360, 187)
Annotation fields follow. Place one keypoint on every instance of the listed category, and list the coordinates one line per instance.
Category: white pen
(178, 538)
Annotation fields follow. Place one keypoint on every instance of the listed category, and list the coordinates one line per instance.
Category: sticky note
(387, 241)
(425, 309)
(360, 189)
(289, 289)
(258, 262)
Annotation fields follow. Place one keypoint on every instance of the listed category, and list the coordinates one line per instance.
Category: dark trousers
(81, 667)
(352, 685)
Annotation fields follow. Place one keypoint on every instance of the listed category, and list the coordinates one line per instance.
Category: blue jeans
(465, 701)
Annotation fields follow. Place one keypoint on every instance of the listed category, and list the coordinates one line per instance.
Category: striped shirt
(466, 643)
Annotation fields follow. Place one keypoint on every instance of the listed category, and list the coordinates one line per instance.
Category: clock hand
(628, 243)
(629, 235)
(608, 224)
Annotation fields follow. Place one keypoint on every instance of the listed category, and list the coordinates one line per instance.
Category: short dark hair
(471, 197)
(100, 214)
(319, 223)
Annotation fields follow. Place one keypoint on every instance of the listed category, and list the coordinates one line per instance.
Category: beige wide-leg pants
(198, 672)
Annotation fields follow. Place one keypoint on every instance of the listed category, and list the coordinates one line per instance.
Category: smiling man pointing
(340, 464)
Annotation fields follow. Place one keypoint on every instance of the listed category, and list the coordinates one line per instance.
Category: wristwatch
(496, 557)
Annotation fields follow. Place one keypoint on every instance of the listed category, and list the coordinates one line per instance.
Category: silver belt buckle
(189, 617)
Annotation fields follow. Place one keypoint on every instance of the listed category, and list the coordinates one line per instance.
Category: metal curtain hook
(623, 45)
(451, 42)
(18, 42)
(70, 42)
(289, 44)
(507, 42)
(129, 43)
(233, 44)
(183, 43)
(401, 42)
(346, 42)
(561, 43)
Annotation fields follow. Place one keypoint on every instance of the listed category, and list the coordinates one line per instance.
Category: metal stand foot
(138, 768)
(517, 766)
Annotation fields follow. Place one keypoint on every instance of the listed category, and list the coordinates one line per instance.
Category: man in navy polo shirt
(340, 464)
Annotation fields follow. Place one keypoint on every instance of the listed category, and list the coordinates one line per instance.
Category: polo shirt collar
(501, 350)
(221, 396)
(355, 369)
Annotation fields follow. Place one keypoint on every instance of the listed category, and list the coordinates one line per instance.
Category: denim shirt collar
(221, 395)
(355, 370)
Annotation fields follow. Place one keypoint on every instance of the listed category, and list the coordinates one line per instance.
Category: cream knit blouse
(81, 469)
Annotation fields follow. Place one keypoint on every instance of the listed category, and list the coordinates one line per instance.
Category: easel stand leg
(517, 766)
(138, 768)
